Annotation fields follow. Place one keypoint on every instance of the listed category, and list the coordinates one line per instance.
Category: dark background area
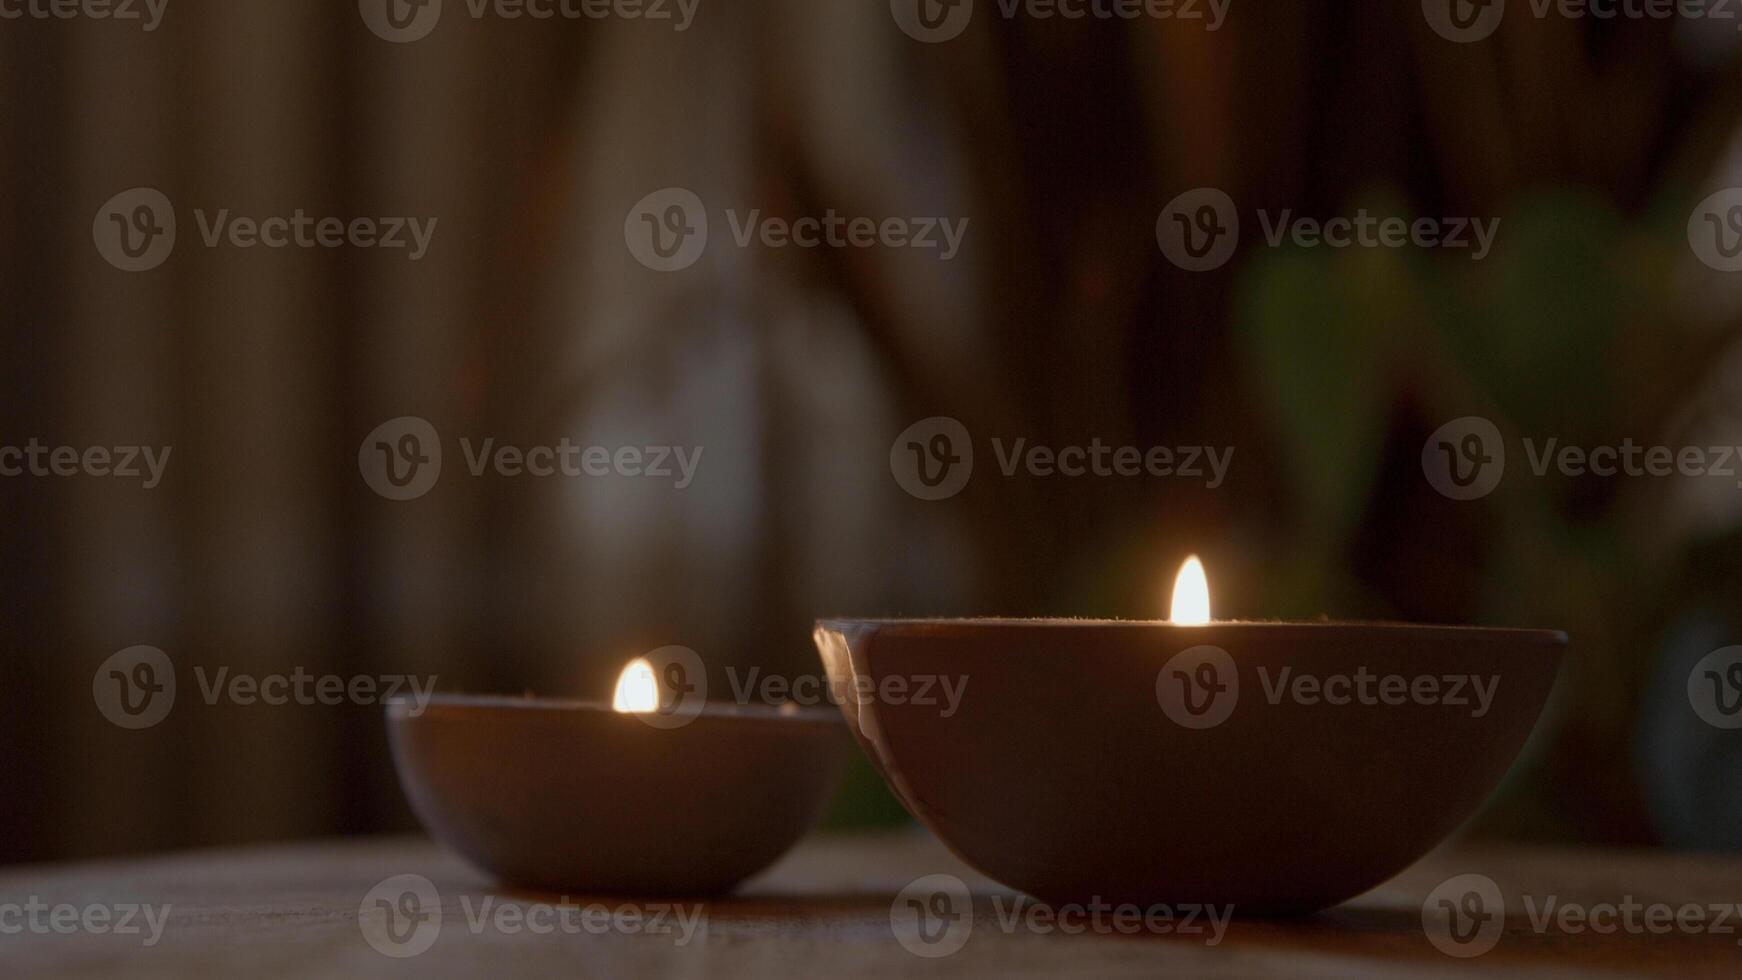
(1061, 321)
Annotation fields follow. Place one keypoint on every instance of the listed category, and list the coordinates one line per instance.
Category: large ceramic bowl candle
(1276, 767)
(616, 799)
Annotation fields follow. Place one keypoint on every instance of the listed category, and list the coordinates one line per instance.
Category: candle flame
(637, 689)
(1191, 595)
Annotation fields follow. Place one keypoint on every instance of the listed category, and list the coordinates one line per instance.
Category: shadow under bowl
(1149, 763)
(564, 796)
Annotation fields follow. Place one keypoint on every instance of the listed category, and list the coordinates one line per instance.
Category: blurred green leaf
(1535, 324)
(1311, 332)
(863, 800)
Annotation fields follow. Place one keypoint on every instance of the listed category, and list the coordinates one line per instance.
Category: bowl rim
(400, 709)
(931, 626)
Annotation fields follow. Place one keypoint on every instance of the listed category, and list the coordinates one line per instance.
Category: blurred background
(1061, 321)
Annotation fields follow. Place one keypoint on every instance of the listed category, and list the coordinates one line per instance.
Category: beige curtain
(527, 322)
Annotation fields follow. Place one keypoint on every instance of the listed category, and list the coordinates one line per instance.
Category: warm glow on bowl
(637, 689)
(1143, 762)
(1191, 595)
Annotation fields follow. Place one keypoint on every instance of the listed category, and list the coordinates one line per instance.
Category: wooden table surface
(825, 910)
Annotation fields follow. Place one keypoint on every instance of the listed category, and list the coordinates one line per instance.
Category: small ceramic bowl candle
(1277, 767)
(626, 798)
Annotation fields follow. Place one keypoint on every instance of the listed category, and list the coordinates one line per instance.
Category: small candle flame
(1191, 595)
(637, 689)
